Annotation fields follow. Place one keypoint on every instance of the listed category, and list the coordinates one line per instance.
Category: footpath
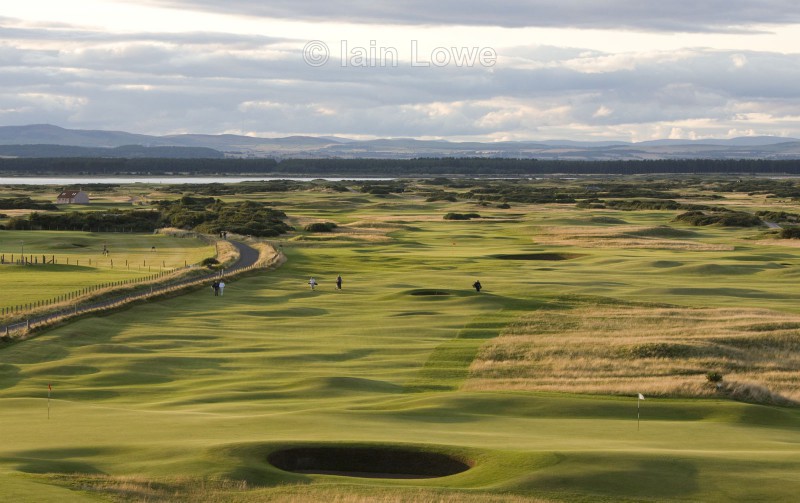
(248, 259)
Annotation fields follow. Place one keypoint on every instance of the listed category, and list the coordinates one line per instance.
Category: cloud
(208, 82)
(675, 15)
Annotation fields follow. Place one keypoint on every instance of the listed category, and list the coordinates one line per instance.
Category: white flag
(641, 396)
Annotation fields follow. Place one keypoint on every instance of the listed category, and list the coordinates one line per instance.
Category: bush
(321, 227)
(790, 233)
(724, 218)
(209, 262)
(714, 377)
(461, 216)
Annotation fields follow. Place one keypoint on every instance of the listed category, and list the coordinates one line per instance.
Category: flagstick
(48, 401)
(638, 401)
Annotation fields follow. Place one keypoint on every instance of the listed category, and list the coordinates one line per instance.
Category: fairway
(532, 382)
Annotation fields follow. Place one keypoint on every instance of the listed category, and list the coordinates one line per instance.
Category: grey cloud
(10, 32)
(675, 15)
(149, 87)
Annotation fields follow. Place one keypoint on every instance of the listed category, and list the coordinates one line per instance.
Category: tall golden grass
(635, 348)
(194, 490)
(619, 236)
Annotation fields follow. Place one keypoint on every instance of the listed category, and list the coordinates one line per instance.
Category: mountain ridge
(102, 142)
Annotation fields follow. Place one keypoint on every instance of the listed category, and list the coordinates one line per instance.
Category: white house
(73, 197)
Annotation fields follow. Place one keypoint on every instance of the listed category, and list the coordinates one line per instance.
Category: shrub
(714, 377)
(643, 205)
(461, 216)
(790, 233)
(725, 218)
(209, 262)
(320, 227)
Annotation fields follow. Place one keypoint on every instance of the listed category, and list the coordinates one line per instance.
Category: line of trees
(387, 167)
(24, 203)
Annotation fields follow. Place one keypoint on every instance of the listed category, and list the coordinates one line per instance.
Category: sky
(625, 70)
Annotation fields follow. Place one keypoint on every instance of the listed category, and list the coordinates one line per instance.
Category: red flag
(49, 388)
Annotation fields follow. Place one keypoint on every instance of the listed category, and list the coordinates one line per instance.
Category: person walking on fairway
(312, 282)
(339, 282)
(477, 286)
(215, 287)
(221, 287)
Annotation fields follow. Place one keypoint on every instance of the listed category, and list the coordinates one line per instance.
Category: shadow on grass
(539, 256)
(9, 375)
(58, 460)
(620, 477)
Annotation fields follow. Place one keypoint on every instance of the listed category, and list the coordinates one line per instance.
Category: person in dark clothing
(339, 282)
(477, 286)
(215, 287)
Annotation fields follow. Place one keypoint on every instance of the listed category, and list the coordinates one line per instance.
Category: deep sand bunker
(367, 462)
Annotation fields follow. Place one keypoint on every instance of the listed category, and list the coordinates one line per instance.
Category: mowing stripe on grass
(448, 365)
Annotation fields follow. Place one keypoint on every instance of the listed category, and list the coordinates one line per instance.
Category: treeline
(206, 215)
(24, 203)
(91, 221)
(388, 167)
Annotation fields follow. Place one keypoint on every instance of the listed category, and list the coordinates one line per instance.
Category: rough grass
(192, 490)
(625, 236)
(631, 348)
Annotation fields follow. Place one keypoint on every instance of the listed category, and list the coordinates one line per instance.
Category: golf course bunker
(367, 462)
(540, 256)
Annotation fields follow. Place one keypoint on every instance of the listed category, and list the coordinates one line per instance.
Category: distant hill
(42, 134)
(124, 152)
(44, 140)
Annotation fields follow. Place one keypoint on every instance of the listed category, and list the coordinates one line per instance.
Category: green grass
(183, 399)
(80, 262)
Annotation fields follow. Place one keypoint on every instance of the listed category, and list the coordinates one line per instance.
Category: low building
(73, 197)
